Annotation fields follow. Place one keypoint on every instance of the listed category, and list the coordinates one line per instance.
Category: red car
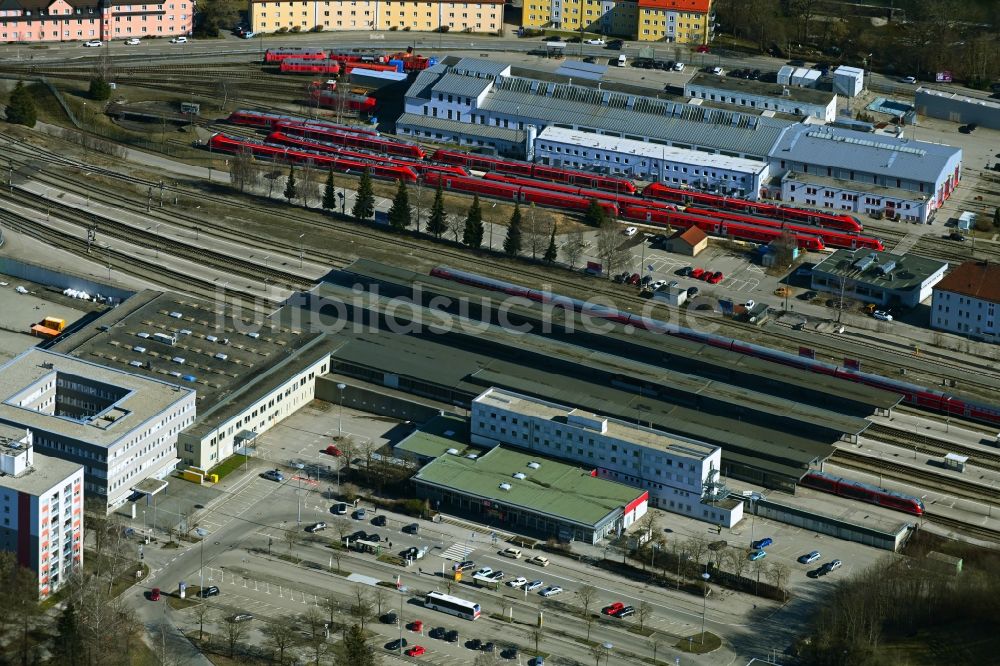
(702, 49)
(416, 651)
(417, 626)
(333, 451)
(696, 273)
(613, 608)
(154, 594)
(635, 279)
(715, 278)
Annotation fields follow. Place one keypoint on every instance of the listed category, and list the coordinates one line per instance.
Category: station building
(122, 427)
(763, 96)
(67, 20)
(676, 471)
(531, 493)
(841, 169)
(649, 161)
(878, 277)
(42, 509)
(483, 16)
(966, 301)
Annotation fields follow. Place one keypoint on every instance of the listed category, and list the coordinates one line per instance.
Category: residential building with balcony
(68, 20)
(484, 16)
(675, 21)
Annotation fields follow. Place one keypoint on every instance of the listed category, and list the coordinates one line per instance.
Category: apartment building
(675, 21)
(41, 509)
(676, 471)
(966, 301)
(484, 16)
(68, 20)
(605, 17)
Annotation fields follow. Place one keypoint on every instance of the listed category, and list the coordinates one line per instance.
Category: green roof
(435, 437)
(565, 492)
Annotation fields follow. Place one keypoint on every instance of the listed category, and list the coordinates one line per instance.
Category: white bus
(452, 605)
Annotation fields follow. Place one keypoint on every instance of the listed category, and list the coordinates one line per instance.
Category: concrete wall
(53, 278)
(368, 400)
(837, 528)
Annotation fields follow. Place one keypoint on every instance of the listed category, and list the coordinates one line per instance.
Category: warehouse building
(958, 108)
(887, 280)
(966, 301)
(122, 427)
(849, 170)
(42, 500)
(649, 161)
(677, 472)
(531, 494)
(762, 96)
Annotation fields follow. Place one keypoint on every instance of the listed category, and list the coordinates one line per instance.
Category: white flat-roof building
(967, 301)
(848, 81)
(121, 427)
(647, 160)
(41, 506)
(763, 96)
(676, 471)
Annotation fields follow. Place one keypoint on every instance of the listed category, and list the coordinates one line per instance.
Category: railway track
(932, 445)
(971, 529)
(907, 473)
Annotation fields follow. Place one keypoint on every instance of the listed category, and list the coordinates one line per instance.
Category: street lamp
(402, 596)
(754, 498)
(302, 248)
(340, 418)
(704, 605)
(201, 568)
(608, 646)
(156, 230)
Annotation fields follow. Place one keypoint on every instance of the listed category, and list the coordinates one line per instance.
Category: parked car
(749, 304)
(684, 272)
(757, 555)
(378, 521)
(416, 651)
(539, 560)
(624, 612)
(909, 79)
(497, 576)
(832, 566)
(513, 553)
(551, 591)
(474, 644)
(93, 43)
(359, 514)
(696, 273)
(809, 295)
(485, 571)
(451, 636)
(206, 592)
(715, 278)
(412, 528)
(761, 544)
(809, 558)
(717, 71)
(389, 618)
(242, 617)
(273, 475)
(465, 566)
(132, 41)
(613, 608)
(590, 60)
(520, 581)
(339, 509)
(316, 527)
(882, 315)
(635, 280)
(956, 236)
(594, 42)
(179, 40)
(678, 67)
(154, 594)
(703, 49)
(437, 632)
(615, 45)
(659, 284)
(631, 231)
(755, 74)
(396, 644)
(692, 292)
(332, 450)
(533, 585)
(489, 647)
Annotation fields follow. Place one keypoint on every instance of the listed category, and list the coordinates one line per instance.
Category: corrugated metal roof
(424, 83)
(583, 70)
(481, 67)
(849, 149)
(466, 86)
(415, 120)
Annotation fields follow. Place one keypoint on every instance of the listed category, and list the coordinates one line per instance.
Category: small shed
(689, 242)
(848, 81)
(955, 462)
(966, 221)
(673, 295)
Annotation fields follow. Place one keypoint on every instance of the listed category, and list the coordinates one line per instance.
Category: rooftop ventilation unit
(504, 486)
(887, 267)
(472, 456)
(452, 452)
(864, 262)
(534, 465)
(520, 476)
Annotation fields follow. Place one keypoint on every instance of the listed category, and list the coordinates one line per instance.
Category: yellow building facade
(304, 16)
(674, 21)
(677, 21)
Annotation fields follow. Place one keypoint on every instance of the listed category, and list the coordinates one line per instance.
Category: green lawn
(228, 465)
(699, 643)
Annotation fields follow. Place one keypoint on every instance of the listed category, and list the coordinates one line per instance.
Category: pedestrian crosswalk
(457, 552)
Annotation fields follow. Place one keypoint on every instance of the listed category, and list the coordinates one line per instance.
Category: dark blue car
(761, 544)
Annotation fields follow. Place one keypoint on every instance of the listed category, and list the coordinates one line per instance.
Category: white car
(533, 585)
(540, 560)
(551, 591)
(910, 79)
(882, 316)
(631, 231)
(485, 571)
(93, 42)
(679, 67)
(520, 581)
(594, 42)
(179, 40)
(658, 285)
(717, 70)
(749, 304)
(132, 41)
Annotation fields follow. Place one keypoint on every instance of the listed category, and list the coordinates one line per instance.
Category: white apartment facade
(41, 510)
(673, 469)
(967, 301)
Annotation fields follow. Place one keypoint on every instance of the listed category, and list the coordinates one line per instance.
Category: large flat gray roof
(45, 473)
(907, 272)
(731, 84)
(456, 126)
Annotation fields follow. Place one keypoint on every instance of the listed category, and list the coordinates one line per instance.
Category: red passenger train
(603, 195)
(839, 221)
(539, 171)
(354, 101)
(377, 168)
(309, 66)
(297, 52)
(418, 166)
(353, 140)
(269, 120)
(511, 192)
(831, 238)
(863, 492)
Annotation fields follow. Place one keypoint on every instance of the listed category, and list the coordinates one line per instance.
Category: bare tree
(201, 611)
(241, 170)
(456, 225)
(574, 246)
(643, 612)
(314, 627)
(610, 247)
(292, 538)
(537, 233)
(332, 606)
(586, 594)
(308, 187)
(589, 619)
(737, 558)
(280, 636)
(361, 609)
(342, 526)
(536, 635)
(235, 632)
(379, 596)
(597, 651)
(226, 90)
(696, 547)
(655, 643)
(777, 573)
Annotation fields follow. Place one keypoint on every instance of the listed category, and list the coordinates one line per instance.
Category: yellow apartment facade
(307, 15)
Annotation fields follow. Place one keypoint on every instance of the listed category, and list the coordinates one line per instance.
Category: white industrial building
(881, 278)
(676, 471)
(41, 500)
(650, 161)
(966, 301)
(120, 426)
(762, 96)
(848, 81)
(841, 169)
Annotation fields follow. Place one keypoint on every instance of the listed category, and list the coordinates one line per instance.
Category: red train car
(374, 144)
(839, 221)
(269, 120)
(863, 492)
(354, 101)
(539, 171)
(602, 195)
(297, 156)
(349, 67)
(511, 192)
(297, 52)
(309, 66)
(831, 238)
(418, 166)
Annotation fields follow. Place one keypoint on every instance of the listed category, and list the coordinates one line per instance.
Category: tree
(438, 223)
(364, 204)
(235, 632)
(218, 15)
(380, 596)
(610, 249)
(290, 190)
(201, 611)
(331, 606)
(68, 649)
(99, 89)
(21, 107)
(280, 635)
(574, 246)
(355, 649)
(777, 573)
(361, 609)
(512, 243)
(536, 233)
(242, 169)
(586, 594)
(400, 214)
(314, 630)
(643, 612)
(329, 193)
(595, 216)
(308, 188)
(472, 235)
(536, 636)
(455, 225)
(551, 252)
(291, 537)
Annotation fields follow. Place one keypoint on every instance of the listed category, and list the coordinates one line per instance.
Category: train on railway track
(379, 144)
(296, 60)
(264, 120)
(924, 397)
(863, 492)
